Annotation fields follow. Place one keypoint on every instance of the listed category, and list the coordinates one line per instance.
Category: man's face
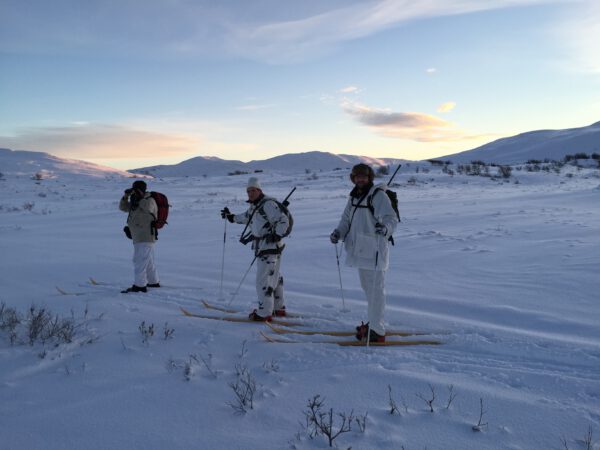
(361, 180)
(253, 193)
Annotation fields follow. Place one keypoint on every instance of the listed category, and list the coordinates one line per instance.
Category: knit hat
(139, 185)
(253, 183)
(362, 169)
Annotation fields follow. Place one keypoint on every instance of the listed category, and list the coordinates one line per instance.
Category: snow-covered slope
(505, 274)
(538, 145)
(291, 162)
(21, 163)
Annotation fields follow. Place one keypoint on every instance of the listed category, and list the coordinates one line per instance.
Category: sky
(135, 83)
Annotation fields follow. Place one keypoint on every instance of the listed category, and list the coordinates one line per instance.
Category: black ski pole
(223, 261)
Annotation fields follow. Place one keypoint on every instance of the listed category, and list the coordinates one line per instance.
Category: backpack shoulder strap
(370, 199)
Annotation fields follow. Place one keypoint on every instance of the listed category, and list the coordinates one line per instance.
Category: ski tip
(274, 339)
(94, 282)
(266, 337)
(61, 291)
(185, 311)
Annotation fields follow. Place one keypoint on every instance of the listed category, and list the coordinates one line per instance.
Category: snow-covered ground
(504, 274)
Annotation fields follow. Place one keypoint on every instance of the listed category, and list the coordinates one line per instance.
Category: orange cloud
(406, 125)
(100, 141)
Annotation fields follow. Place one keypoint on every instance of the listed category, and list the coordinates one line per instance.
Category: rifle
(394, 174)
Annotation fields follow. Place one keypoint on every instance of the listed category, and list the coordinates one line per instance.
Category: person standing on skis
(143, 212)
(367, 222)
(267, 224)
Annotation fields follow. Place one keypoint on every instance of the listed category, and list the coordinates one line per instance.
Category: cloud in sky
(305, 38)
(267, 31)
(406, 125)
(446, 107)
(350, 90)
(100, 141)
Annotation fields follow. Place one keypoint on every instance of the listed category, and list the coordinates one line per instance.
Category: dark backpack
(163, 209)
(393, 196)
(284, 209)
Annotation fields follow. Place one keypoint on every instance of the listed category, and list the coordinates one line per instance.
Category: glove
(271, 238)
(226, 214)
(380, 229)
(334, 237)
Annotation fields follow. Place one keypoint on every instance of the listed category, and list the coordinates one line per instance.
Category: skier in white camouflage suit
(366, 224)
(267, 223)
(142, 211)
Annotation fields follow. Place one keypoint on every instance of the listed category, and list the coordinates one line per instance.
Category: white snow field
(504, 274)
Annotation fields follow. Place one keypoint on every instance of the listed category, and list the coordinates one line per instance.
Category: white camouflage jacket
(364, 248)
(268, 219)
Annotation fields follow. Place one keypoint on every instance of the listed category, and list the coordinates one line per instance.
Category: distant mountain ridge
(44, 165)
(540, 145)
(312, 161)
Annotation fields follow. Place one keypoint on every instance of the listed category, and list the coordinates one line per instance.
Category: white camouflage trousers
(269, 284)
(373, 283)
(144, 270)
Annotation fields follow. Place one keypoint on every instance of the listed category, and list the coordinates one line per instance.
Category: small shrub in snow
(43, 326)
(393, 407)
(480, 424)
(587, 442)
(146, 332)
(320, 422)
(244, 389)
(189, 368)
(271, 366)
(451, 396)
(9, 320)
(38, 325)
(504, 171)
(428, 401)
(168, 332)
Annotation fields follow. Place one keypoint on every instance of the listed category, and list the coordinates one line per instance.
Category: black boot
(134, 288)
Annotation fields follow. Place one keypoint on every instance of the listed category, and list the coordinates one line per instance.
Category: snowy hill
(291, 162)
(539, 145)
(21, 163)
(198, 166)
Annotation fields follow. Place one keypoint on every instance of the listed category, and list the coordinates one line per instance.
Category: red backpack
(163, 209)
